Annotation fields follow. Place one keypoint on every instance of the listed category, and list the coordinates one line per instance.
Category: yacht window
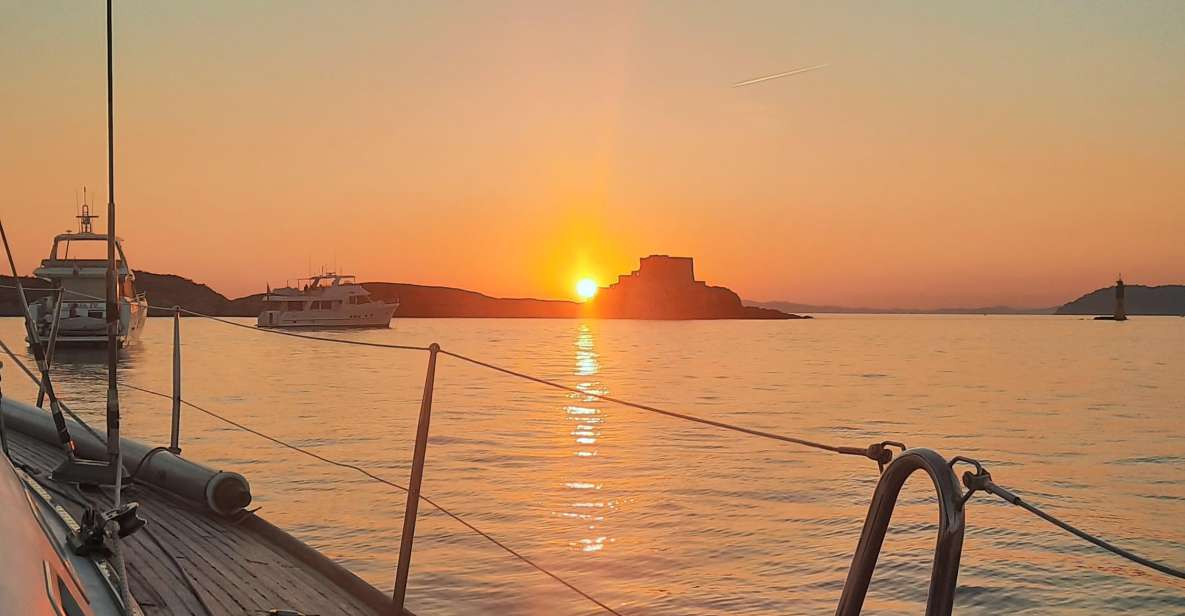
(83, 250)
(295, 306)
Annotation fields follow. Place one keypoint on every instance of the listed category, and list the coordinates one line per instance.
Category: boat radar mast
(85, 218)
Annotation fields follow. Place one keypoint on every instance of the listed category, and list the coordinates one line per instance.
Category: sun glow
(586, 288)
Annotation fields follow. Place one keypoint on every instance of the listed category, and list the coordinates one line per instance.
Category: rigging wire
(392, 484)
(352, 467)
(651, 409)
(983, 482)
(61, 404)
(871, 452)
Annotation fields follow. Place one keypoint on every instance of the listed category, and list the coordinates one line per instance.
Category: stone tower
(1120, 308)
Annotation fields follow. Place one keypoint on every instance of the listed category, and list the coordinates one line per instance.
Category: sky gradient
(950, 154)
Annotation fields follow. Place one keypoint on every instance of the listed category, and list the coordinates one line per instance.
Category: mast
(112, 275)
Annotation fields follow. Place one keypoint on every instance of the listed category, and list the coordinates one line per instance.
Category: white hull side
(88, 330)
(361, 315)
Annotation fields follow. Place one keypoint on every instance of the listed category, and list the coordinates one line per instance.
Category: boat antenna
(112, 311)
(84, 218)
(114, 455)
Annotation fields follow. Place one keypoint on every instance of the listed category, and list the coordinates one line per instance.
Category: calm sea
(657, 516)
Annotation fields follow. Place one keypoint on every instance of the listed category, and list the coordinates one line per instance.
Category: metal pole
(59, 420)
(173, 447)
(947, 550)
(112, 272)
(3, 433)
(52, 344)
(413, 486)
(114, 454)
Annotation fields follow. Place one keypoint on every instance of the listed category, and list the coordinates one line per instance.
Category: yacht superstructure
(78, 273)
(326, 300)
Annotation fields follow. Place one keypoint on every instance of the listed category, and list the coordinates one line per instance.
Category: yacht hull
(361, 316)
(85, 324)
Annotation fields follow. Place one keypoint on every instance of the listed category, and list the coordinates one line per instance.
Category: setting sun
(586, 288)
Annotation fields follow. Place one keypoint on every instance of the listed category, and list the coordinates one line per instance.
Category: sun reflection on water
(585, 413)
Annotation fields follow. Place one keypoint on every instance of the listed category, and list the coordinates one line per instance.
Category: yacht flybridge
(327, 300)
(77, 269)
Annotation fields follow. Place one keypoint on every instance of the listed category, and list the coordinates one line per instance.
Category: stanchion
(399, 596)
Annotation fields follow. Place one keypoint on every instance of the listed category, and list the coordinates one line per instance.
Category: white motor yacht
(77, 265)
(327, 300)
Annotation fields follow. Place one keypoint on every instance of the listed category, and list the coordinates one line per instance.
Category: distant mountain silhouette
(819, 309)
(171, 290)
(439, 302)
(664, 299)
(1161, 300)
(10, 305)
(693, 301)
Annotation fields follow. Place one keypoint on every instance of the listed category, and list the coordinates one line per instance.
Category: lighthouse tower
(1120, 308)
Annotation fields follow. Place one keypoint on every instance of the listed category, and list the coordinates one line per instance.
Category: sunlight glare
(586, 288)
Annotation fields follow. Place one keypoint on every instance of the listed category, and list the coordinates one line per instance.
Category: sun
(586, 288)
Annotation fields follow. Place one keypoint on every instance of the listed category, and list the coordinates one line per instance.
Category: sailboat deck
(192, 562)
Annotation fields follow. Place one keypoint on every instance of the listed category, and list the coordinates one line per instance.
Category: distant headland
(1162, 300)
(662, 287)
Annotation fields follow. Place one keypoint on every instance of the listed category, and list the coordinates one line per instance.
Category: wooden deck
(191, 562)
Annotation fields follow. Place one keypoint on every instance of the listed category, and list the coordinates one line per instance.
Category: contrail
(779, 75)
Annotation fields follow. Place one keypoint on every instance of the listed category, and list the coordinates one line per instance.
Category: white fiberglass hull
(85, 323)
(361, 315)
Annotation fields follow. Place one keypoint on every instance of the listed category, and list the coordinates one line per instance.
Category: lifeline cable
(651, 409)
(870, 452)
(37, 381)
(983, 482)
(873, 452)
(367, 473)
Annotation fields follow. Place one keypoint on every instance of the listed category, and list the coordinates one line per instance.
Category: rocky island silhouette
(663, 287)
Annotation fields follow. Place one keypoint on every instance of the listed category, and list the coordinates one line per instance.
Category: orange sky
(1004, 153)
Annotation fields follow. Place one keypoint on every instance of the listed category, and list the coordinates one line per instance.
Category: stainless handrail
(947, 549)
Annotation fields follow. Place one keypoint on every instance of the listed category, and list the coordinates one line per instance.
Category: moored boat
(327, 300)
(78, 273)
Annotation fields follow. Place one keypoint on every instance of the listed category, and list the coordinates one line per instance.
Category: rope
(262, 330)
(1008, 496)
(870, 452)
(392, 484)
(82, 501)
(651, 409)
